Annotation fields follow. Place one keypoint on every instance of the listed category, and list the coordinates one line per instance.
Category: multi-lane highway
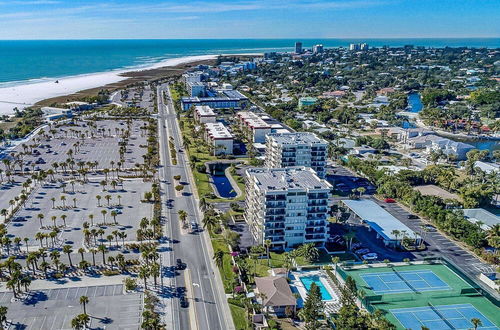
(208, 308)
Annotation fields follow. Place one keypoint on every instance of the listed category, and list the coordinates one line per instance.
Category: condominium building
(255, 126)
(222, 100)
(219, 137)
(297, 149)
(196, 89)
(204, 114)
(298, 47)
(287, 206)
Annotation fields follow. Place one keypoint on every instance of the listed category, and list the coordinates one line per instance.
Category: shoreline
(48, 91)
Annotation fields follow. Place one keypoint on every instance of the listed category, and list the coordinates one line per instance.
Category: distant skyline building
(298, 47)
(356, 47)
(318, 49)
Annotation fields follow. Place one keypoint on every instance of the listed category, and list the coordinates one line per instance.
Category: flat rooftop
(204, 110)
(296, 138)
(488, 219)
(290, 178)
(218, 131)
(252, 119)
(226, 95)
(377, 218)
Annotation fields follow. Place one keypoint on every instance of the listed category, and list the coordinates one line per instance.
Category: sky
(184, 19)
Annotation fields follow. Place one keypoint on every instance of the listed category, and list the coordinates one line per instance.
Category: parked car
(362, 251)
(117, 210)
(184, 302)
(430, 227)
(389, 200)
(370, 256)
(412, 216)
(179, 264)
(63, 144)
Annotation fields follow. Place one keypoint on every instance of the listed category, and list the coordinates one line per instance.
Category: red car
(389, 200)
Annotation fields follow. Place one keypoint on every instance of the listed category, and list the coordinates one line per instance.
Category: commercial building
(204, 114)
(219, 137)
(298, 47)
(196, 89)
(305, 101)
(388, 228)
(256, 127)
(297, 149)
(51, 113)
(223, 99)
(361, 46)
(287, 206)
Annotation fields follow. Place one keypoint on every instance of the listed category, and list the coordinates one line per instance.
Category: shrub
(108, 272)
(130, 284)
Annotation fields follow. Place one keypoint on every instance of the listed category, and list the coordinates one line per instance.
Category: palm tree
(68, 250)
(63, 200)
(98, 197)
(309, 252)
(476, 323)
(119, 200)
(209, 222)
(81, 251)
(396, 234)
(108, 198)
(268, 243)
(91, 217)
(335, 261)
(63, 217)
(3, 315)
(104, 212)
(54, 218)
(80, 321)
(103, 250)
(114, 214)
(40, 216)
(219, 261)
(84, 300)
(144, 274)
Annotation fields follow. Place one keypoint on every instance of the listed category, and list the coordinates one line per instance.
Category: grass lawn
(198, 149)
(239, 317)
(227, 271)
(5, 126)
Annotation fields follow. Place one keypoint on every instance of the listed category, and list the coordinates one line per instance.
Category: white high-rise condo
(296, 149)
(287, 206)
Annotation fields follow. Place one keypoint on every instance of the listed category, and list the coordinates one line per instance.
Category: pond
(415, 102)
(224, 187)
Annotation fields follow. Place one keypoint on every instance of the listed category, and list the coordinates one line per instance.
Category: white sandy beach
(24, 95)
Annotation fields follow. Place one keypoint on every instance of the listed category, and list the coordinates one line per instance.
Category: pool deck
(297, 286)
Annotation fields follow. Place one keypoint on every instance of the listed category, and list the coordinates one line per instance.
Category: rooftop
(296, 138)
(290, 178)
(488, 219)
(276, 290)
(252, 119)
(379, 219)
(225, 95)
(204, 110)
(218, 131)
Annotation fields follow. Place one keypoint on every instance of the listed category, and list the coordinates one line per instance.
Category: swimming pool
(309, 280)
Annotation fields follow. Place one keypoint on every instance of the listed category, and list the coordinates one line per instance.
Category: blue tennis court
(441, 317)
(405, 281)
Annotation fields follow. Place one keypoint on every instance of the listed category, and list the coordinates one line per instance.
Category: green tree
(313, 308)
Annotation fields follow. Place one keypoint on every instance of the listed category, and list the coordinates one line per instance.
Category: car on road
(390, 200)
(194, 227)
(184, 302)
(63, 144)
(412, 216)
(179, 265)
(370, 256)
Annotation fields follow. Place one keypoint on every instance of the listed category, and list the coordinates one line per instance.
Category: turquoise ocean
(30, 61)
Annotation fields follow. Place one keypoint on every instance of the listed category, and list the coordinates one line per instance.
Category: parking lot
(99, 144)
(108, 308)
(344, 181)
(26, 222)
(9, 190)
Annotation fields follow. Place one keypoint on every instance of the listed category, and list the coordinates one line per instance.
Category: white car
(370, 256)
(362, 251)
